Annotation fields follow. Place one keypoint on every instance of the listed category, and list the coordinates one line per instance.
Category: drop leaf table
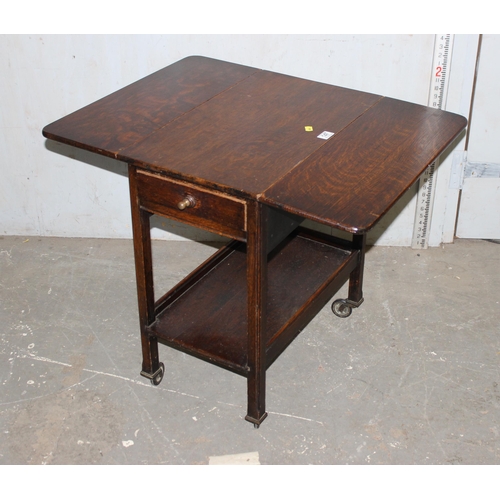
(250, 154)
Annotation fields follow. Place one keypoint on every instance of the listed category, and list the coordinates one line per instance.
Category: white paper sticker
(325, 135)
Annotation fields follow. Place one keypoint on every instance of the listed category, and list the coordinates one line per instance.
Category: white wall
(479, 215)
(484, 143)
(53, 190)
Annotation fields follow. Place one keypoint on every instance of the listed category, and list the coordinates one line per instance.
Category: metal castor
(158, 376)
(341, 308)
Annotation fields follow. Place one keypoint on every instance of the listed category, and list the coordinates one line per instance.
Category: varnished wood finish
(225, 147)
(133, 113)
(144, 277)
(356, 277)
(194, 277)
(368, 166)
(241, 131)
(245, 139)
(216, 212)
(208, 315)
(257, 305)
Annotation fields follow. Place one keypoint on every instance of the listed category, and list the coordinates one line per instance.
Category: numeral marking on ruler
(437, 99)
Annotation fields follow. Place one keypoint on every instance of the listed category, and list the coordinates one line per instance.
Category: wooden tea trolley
(250, 154)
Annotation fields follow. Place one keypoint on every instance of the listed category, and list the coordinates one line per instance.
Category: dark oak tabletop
(242, 131)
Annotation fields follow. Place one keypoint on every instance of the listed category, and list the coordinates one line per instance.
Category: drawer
(184, 202)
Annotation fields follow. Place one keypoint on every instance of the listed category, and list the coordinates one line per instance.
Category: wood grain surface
(360, 173)
(242, 131)
(247, 138)
(132, 113)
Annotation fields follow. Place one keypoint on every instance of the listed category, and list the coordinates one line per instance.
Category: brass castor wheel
(158, 376)
(341, 308)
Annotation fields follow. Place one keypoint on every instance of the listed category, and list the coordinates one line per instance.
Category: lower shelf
(207, 315)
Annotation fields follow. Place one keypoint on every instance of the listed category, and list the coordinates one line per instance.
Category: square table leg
(257, 221)
(343, 307)
(356, 278)
(151, 366)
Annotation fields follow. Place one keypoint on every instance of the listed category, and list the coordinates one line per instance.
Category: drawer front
(193, 205)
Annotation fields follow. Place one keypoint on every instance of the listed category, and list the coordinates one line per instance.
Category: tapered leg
(257, 288)
(151, 367)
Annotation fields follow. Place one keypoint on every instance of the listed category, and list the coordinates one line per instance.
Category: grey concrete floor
(412, 377)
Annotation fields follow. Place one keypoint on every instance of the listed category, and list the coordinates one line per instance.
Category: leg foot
(157, 376)
(256, 422)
